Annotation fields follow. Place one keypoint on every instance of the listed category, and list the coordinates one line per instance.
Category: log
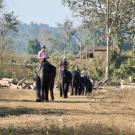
(15, 82)
(4, 83)
(8, 79)
(32, 87)
(101, 83)
(13, 86)
(128, 86)
(23, 85)
(34, 83)
(20, 83)
(27, 85)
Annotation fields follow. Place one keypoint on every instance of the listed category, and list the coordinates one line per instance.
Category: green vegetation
(33, 46)
(67, 40)
(115, 21)
(8, 24)
(123, 65)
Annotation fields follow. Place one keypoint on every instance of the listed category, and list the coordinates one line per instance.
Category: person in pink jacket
(43, 54)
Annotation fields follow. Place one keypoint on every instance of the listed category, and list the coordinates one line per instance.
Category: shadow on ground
(6, 111)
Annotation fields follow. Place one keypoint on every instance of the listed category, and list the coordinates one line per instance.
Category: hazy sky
(41, 11)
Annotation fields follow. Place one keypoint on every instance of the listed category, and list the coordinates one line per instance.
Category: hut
(88, 52)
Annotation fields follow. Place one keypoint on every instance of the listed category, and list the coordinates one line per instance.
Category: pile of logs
(12, 83)
(125, 84)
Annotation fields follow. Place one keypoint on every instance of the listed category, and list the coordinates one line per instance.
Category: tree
(46, 38)
(114, 16)
(1, 4)
(33, 46)
(67, 33)
(8, 23)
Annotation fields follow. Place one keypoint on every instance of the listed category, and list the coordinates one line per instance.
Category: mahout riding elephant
(76, 83)
(80, 85)
(45, 78)
(65, 81)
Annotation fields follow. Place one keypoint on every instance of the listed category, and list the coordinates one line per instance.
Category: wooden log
(26, 85)
(20, 83)
(101, 83)
(15, 82)
(8, 79)
(32, 87)
(19, 87)
(4, 83)
(127, 86)
(13, 86)
(130, 84)
(34, 84)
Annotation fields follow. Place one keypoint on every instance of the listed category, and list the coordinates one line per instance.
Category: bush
(5, 74)
(122, 67)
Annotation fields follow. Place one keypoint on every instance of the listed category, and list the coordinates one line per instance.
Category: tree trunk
(108, 29)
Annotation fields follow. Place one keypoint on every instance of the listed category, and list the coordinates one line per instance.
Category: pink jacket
(42, 54)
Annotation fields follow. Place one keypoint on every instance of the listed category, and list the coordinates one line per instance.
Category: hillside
(31, 31)
(52, 37)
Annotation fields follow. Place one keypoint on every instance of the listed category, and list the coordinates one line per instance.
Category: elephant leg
(85, 90)
(91, 87)
(51, 91)
(79, 89)
(43, 94)
(72, 89)
(38, 89)
(46, 93)
(52, 94)
(76, 90)
(61, 90)
(66, 87)
(82, 92)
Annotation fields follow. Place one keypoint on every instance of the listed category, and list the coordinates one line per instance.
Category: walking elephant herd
(69, 81)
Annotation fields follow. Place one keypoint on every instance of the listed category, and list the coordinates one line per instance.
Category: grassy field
(110, 112)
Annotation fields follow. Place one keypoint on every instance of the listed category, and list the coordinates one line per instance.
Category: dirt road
(113, 109)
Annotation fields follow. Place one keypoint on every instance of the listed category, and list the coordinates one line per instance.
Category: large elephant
(76, 83)
(45, 78)
(86, 86)
(80, 85)
(65, 81)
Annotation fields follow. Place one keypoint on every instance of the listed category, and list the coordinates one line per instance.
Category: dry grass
(102, 113)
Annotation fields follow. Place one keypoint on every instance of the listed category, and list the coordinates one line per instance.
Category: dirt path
(112, 108)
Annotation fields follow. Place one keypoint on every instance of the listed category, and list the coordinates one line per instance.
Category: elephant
(45, 78)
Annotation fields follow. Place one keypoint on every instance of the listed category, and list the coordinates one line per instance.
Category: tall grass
(64, 130)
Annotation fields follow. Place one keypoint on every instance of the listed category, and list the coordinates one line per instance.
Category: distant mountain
(31, 31)
(53, 38)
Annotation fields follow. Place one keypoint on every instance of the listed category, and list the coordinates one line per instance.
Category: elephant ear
(38, 67)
